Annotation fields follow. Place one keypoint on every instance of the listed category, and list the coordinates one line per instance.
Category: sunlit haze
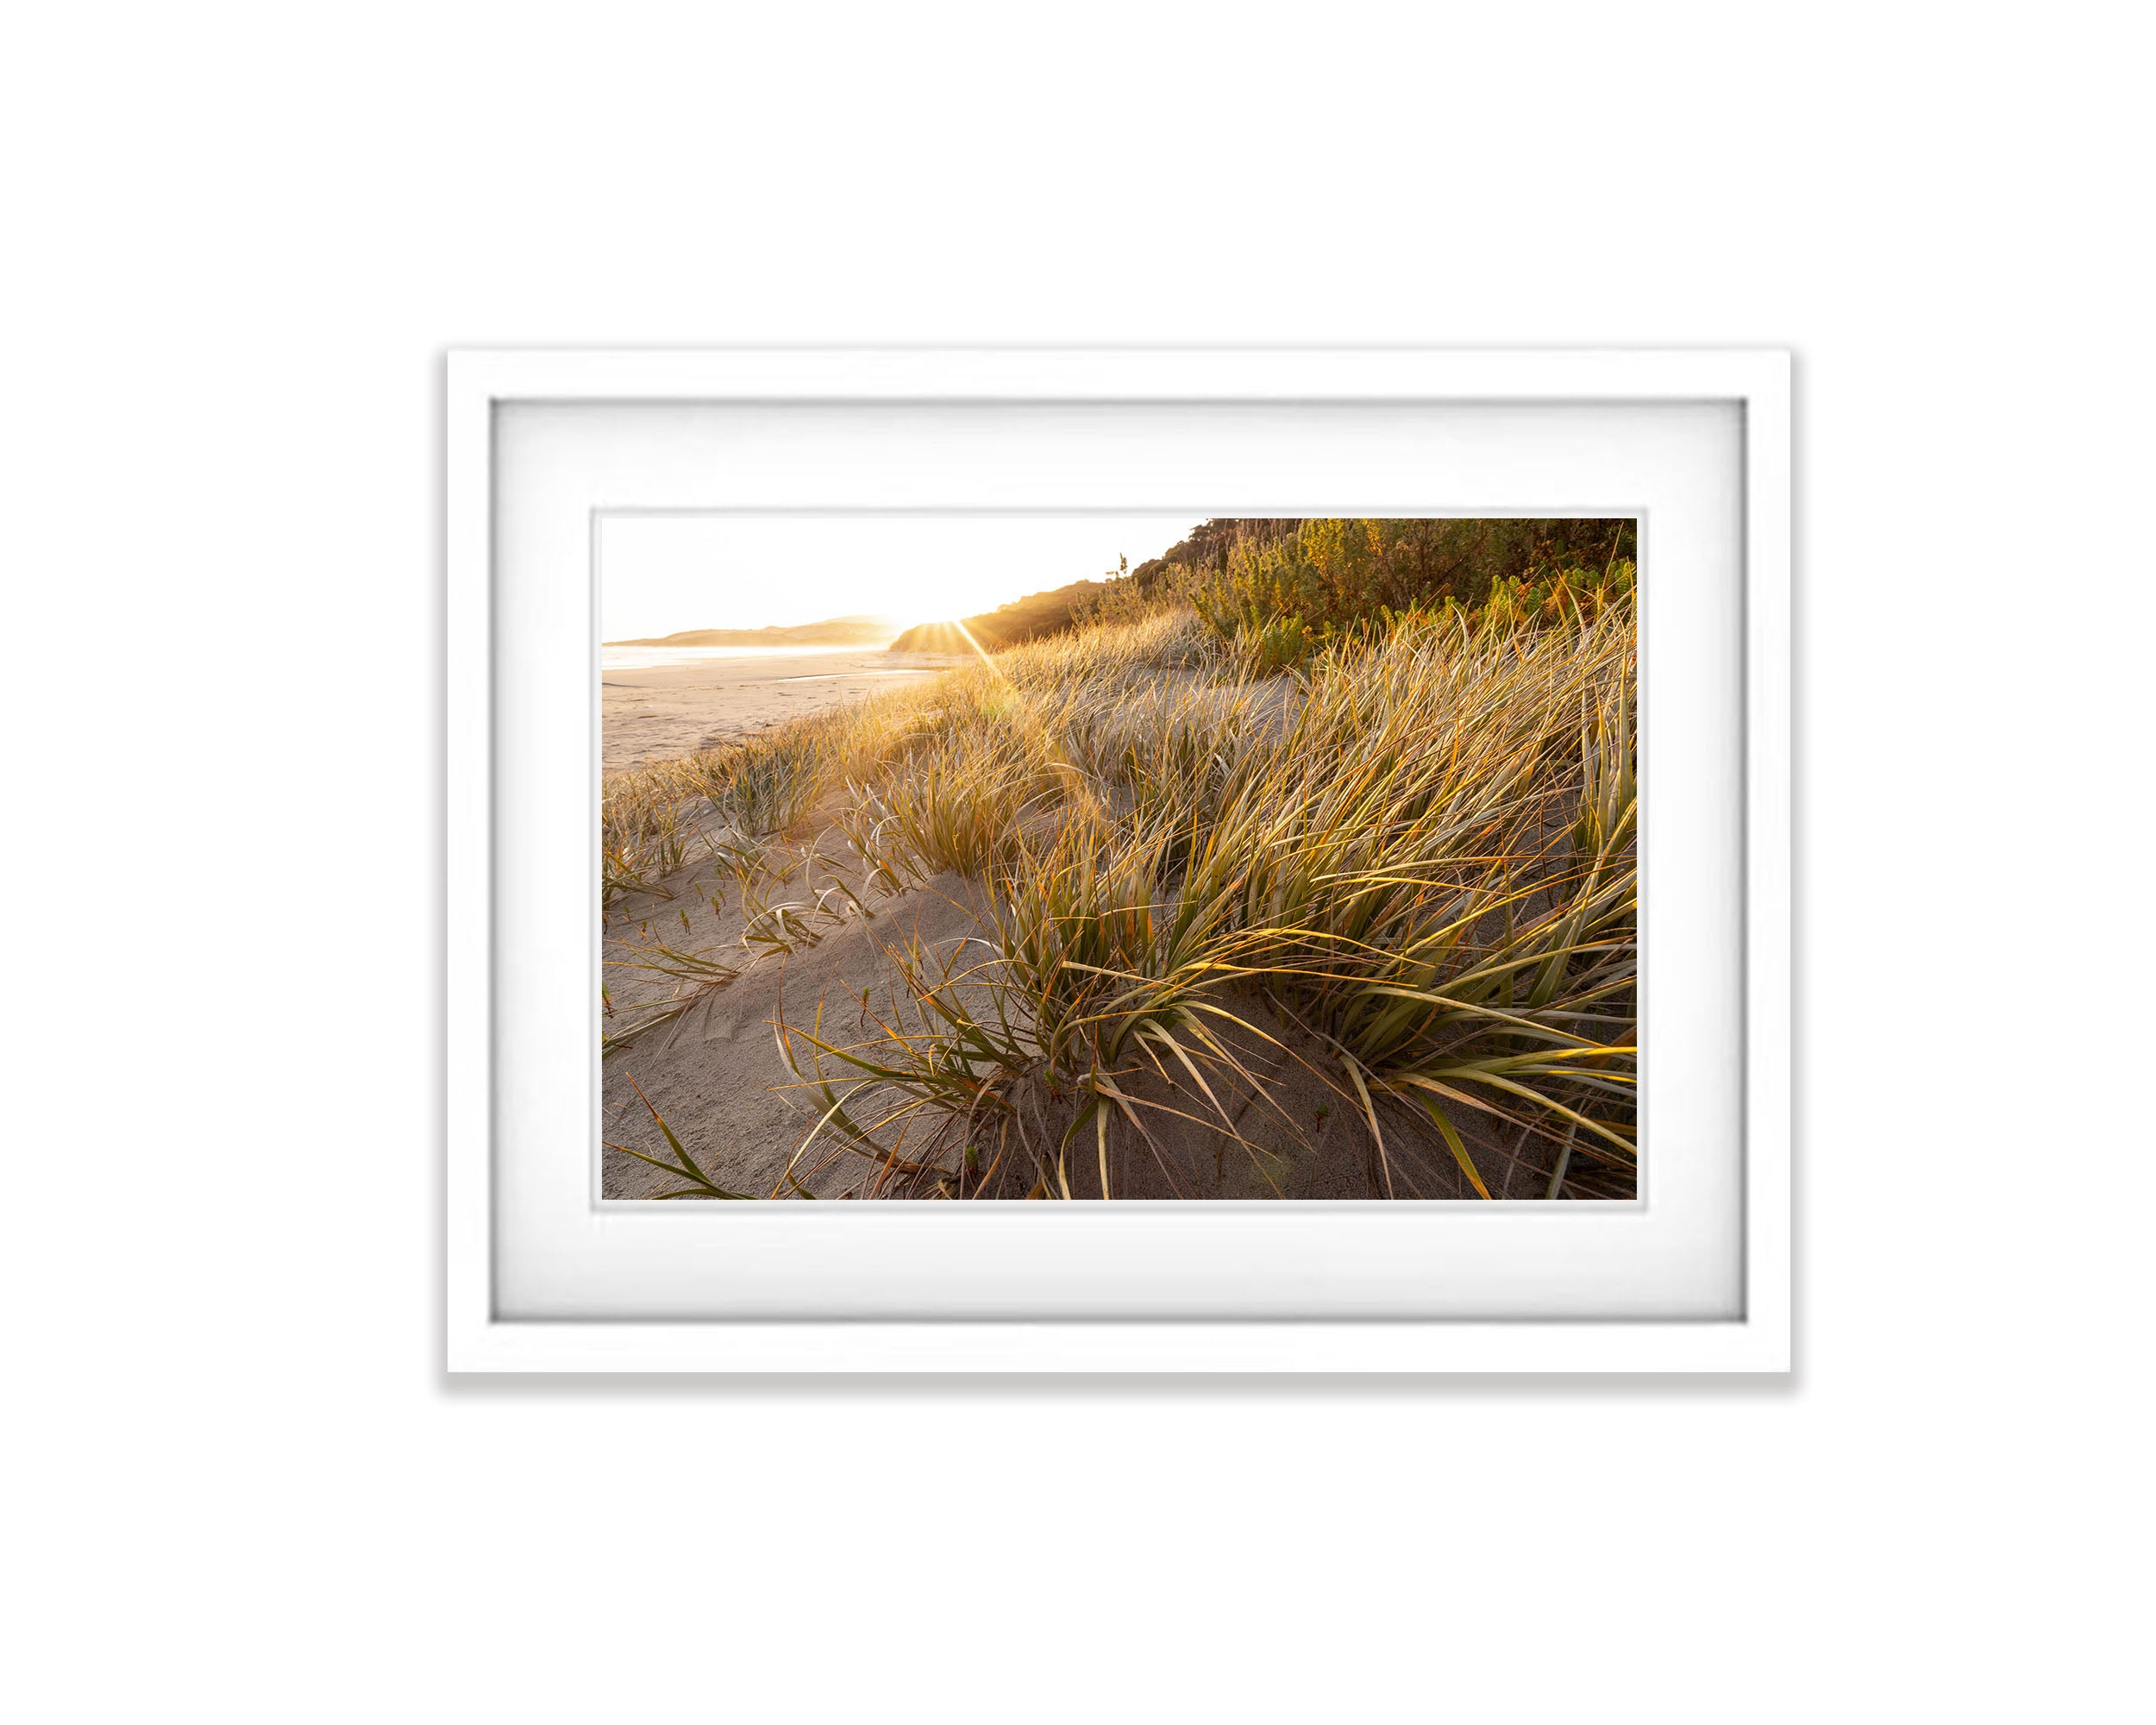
(662, 574)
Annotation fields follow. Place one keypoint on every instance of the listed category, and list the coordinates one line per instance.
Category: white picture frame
(544, 1276)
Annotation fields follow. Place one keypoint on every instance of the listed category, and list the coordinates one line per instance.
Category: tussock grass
(756, 788)
(1404, 871)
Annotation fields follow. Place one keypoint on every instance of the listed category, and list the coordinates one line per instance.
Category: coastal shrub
(1268, 648)
(1331, 576)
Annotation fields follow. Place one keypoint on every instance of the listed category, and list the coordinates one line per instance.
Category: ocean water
(647, 658)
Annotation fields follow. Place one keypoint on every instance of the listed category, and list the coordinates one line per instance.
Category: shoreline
(662, 713)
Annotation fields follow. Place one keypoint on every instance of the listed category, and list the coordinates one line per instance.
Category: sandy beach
(657, 712)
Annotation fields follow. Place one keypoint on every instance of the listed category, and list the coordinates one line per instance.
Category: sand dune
(715, 1076)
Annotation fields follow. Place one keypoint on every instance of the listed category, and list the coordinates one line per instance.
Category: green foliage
(1333, 576)
(1265, 650)
(1245, 576)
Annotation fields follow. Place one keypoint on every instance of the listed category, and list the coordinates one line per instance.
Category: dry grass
(1419, 851)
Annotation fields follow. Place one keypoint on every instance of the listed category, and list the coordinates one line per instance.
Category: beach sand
(663, 711)
(714, 1072)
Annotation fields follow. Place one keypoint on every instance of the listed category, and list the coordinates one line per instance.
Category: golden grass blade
(1370, 1113)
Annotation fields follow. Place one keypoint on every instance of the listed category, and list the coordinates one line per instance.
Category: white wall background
(240, 1486)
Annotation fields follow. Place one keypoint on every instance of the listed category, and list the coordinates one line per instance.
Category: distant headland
(832, 631)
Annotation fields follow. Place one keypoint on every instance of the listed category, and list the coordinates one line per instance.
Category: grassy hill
(1311, 577)
(1024, 619)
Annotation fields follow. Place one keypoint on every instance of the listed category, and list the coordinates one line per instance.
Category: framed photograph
(1088, 861)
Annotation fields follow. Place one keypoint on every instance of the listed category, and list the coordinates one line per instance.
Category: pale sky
(659, 575)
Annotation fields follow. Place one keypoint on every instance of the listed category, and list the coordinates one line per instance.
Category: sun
(945, 597)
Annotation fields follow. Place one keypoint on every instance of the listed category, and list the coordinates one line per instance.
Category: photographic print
(1033, 857)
